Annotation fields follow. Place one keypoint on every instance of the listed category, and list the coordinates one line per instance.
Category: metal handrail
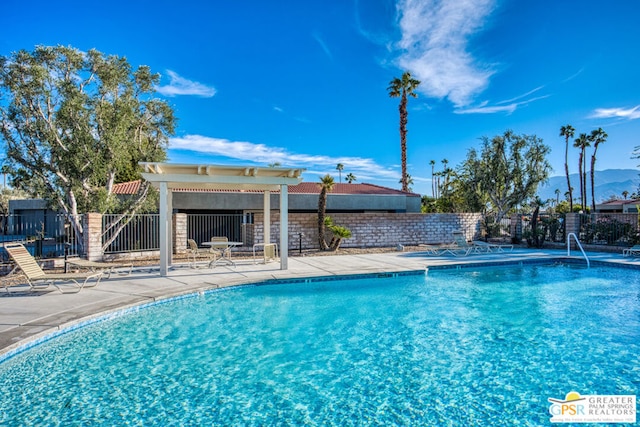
(579, 245)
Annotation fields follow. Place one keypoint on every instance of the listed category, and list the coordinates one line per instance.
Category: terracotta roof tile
(302, 188)
(130, 187)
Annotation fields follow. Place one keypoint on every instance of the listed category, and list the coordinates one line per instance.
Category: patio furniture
(632, 251)
(34, 274)
(269, 251)
(195, 252)
(491, 247)
(108, 268)
(222, 244)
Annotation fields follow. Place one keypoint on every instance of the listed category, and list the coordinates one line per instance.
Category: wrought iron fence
(497, 229)
(45, 235)
(236, 227)
(616, 229)
(550, 227)
(130, 233)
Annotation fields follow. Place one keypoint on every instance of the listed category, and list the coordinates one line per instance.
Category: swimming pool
(454, 347)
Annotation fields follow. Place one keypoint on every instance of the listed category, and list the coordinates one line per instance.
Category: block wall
(370, 230)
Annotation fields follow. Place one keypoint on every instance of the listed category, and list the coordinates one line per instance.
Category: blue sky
(304, 83)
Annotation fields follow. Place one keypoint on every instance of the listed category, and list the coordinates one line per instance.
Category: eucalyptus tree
(326, 185)
(75, 123)
(507, 171)
(403, 87)
(597, 137)
(340, 168)
(568, 132)
(582, 142)
(350, 178)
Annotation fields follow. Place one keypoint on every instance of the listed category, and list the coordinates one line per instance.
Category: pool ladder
(579, 246)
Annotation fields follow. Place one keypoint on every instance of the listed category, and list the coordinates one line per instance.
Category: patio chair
(223, 249)
(632, 251)
(34, 274)
(195, 252)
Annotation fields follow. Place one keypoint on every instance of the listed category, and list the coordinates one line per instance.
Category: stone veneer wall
(370, 230)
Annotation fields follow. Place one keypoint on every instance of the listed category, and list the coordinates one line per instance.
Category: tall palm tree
(597, 137)
(403, 87)
(326, 185)
(350, 178)
(339, 168)
(409, 183)
(568, 132)
(433, 183)
(582, 142)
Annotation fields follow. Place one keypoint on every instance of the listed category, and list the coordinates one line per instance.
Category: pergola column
(166, 209)
(267, 216)
(284, 227)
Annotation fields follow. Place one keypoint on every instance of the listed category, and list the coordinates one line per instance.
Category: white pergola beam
(168, 176)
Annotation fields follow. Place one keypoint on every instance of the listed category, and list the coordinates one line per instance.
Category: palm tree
(339, 168)
(5, 170)
(326, 185)
(582, 142)
(350, 178)
(597, 137)
(433, 183)
(403, 87)
(557, 191)
(625, 194)
(568, 132)
(409, 183)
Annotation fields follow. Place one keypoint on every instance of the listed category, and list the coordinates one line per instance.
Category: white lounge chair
(632, 251)
(491, 247)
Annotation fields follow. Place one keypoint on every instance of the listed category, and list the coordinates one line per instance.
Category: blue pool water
(454, 347)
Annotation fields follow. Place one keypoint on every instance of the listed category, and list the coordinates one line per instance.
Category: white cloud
(506, 106)
(362, 168)
(435, 35)
(323, 45)
(621, 113)
(181, 86)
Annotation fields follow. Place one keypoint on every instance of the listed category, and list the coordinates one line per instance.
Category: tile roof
(124, 188)
(302, 188)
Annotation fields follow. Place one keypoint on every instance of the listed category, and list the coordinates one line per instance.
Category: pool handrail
(579, 246)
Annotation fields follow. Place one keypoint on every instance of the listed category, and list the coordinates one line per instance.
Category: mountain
(609, 183)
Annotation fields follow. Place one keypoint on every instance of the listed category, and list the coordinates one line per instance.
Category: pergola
(167, 177)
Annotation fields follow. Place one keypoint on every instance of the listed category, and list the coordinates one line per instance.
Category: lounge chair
(34, 274)
(459, 247)
(195, 252)
(632, 251)
(108, 268)
(462, 247)
(491, 247)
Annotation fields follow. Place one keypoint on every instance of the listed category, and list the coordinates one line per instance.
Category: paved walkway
(25, 316)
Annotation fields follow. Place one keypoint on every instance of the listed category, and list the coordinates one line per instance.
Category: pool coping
(388, 270)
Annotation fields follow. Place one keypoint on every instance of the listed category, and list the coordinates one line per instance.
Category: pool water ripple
(485, 347)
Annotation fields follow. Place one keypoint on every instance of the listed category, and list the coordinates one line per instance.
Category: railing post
(179, 233)
(92, 232)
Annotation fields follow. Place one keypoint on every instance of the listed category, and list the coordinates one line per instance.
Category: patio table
(226, 251)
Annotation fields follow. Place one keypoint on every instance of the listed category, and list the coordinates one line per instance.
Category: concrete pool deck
(29, 315)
